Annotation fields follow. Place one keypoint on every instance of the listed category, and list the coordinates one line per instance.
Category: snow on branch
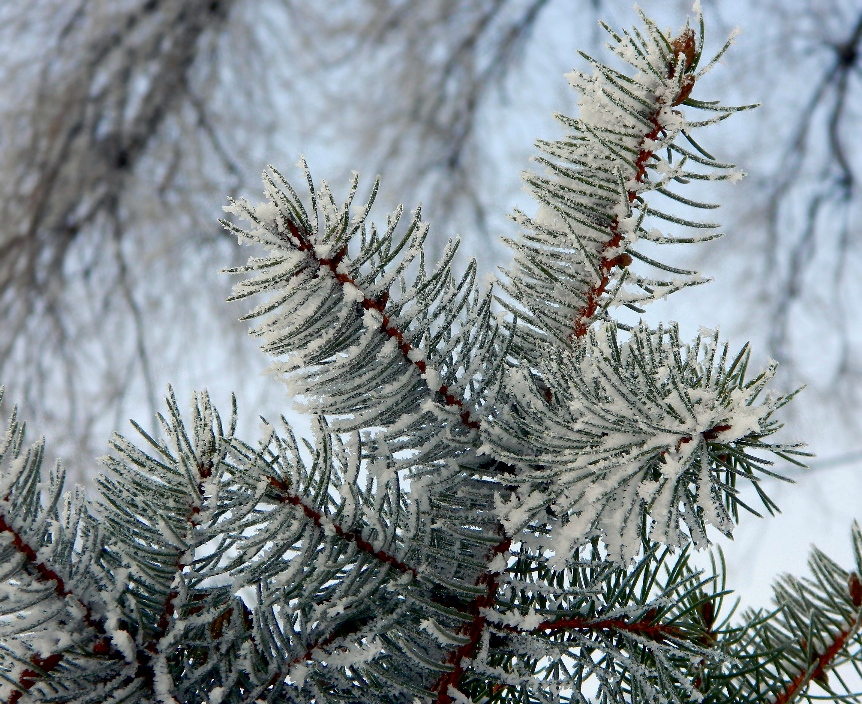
(52, 618)
(642, 427)
(574, 258)
(351, 348)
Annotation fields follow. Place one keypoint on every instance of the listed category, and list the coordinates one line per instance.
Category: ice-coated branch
(486, 512)
(351, 349)
(411, 355)
(573, 260)
(646, 427)
(682, 46)
(28, 677)
(475, 628)
(327, 525)
(46, 541)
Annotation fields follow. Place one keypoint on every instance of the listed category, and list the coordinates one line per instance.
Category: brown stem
(303, 244)
(474, 629)
(204, 472)
(591, 302)
(710, 434)
(285, 496)
(821, 664)
(29, 677)
(643, 626)
(145, 654)
(683, 44)
(44, 573)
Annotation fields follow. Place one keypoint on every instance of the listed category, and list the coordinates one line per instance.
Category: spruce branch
(473, 630)
(350, 535)
(198, 473)
(623, 630)
(640, 427)
(335, 313)
(812, 635)
(53, 622)
(573, 260)
(682, 46)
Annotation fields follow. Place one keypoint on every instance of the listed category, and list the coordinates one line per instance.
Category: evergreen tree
(503, 487)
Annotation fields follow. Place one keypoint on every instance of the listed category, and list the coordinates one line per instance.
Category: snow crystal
(388, 349)
(432, 377)
(239, 207)
(745, 420)
(548, 217)
(122, 641)
(440, 634)
(647, 489)
(298, 672)
(525, 622)
(266, 211)
(372, 318)
(457, 696)
(328, 527)
(516, 514)
(163, 684)
(352, 294)
(355, 654)
(498, 564)
(216, 696)
(675, 464)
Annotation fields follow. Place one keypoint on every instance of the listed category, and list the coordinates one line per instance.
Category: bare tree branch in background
(801, 227)
(112, 141)
(814, 191)
(434, 64)
(125, 124)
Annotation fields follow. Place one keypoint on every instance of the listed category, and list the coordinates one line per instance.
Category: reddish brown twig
(644, 626)
(684, 44)
(29, 677)
(204, 472)
(818, 671)
(710, 434)
(474, 629)
(822, 662)
(303, 243)
(145, 654)
(44, 573)
(591, 302)
(286, 496)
